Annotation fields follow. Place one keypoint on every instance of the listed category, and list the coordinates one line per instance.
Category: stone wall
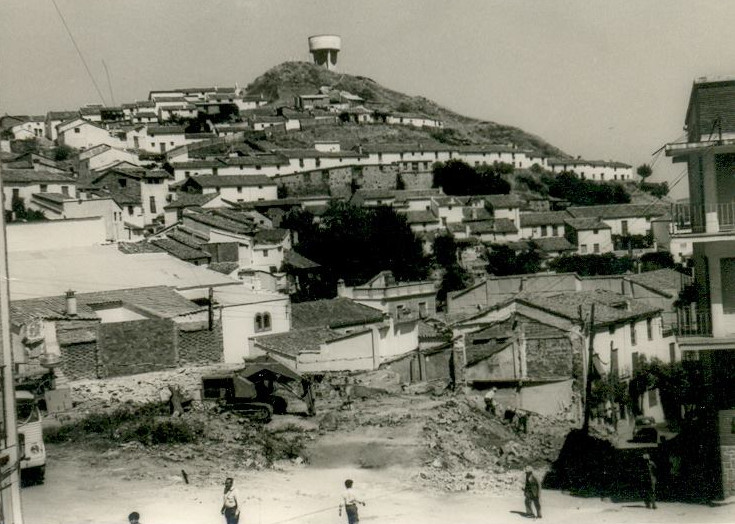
(139, 346)
(417, 180)
(548, 358)
(198, 345)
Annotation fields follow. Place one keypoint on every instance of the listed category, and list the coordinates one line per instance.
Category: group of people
(350, 499)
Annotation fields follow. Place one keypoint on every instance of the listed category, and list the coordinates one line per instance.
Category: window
(632, 334)
(44, 188)
(554, 231)
(266, 321)
(727, 277)
(239, 189)
(596, 248)
(76, 130)
(544, 231)
(422, 309)
(257, 168)
(152, 203)
(265, 252)
(64, 190)
(399, 310)
(130, 210)
(649, 328)
(624, 227)
(258, 322)
(301, 162)
(672, 352)
(614, 365)
(595, 231)
(611, 329)
(583, 249)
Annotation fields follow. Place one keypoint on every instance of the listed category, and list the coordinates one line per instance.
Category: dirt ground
(429, 458)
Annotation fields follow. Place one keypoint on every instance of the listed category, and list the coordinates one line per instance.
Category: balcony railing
(703, 218)
(692, 323)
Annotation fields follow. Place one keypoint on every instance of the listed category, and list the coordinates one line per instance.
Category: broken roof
(333, 313)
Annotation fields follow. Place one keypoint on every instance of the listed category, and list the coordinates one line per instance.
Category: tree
(659, 190)
(21, 214)
(355, 244)
(589, 265)
(456, 177)
(455, 276)
(502, 261)
(644, 171)
(657, 260)
(62, 152)
(569, 186)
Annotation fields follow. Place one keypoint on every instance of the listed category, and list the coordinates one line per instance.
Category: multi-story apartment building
(707, 330)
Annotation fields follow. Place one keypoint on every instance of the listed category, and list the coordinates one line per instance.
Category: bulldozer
(251, 391)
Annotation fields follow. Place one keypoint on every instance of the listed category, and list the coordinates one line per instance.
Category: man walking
(532, 492)
(230, 503)
(490, 404)
(350, 501)
(649, 482)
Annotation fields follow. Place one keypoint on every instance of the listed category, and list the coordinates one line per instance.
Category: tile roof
(475, 353)
(406, 148)
(665, 281)
(180, 250)
(298, 261)
(62, 115)
(333, 313)
(298, 341)
(30, 176)
(420, 217)
(499, 225)
(313, 153)
(403, 195)
(157, 301)
(609, 307)
(271, 236)
(620, 210)
(190, 200)
(256, 160)
(553, 244)
(219, 222)
(504, 201)
(586, 223)
(132, 248)
(224, 267)
(230, 181)
(198, 164)
(58, 198)
(544, 218)
(165, 130)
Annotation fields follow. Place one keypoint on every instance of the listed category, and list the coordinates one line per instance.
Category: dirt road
(83, 494)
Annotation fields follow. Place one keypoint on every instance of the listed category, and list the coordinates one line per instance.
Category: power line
(79, 52)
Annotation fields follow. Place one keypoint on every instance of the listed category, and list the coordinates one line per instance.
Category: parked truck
(30, 438)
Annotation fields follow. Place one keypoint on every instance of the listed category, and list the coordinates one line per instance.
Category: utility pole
(590, 368)
(210, 309)
(10, 509)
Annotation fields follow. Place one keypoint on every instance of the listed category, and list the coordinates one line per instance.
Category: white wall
(589, 238)
(56, 234)
(238, 324)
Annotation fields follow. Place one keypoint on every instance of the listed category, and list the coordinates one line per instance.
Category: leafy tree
(455, 276)
(62, 152)
(456, 177)
(644, 171)
(445, 250)
(400, 184)
(281, 191)
(659, 190)
(502, 261)
(355, 243)
(657, 260)
(301, 224)
(569, 186)
(21, 214)
(588, 265)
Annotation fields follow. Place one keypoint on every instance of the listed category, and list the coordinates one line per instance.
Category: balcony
(699, 219)
(693, 323)
(395, 291)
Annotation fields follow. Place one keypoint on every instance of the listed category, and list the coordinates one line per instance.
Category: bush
(568, 186)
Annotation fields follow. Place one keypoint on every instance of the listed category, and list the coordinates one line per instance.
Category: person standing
(532, 493)
(490, 404)
(350, 501)
(134, 518)
(230, 503)
(649, 482)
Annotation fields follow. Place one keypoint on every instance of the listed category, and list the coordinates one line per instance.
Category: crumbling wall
(417, 180)
(139, 346)
(198, 345)
(377, 177)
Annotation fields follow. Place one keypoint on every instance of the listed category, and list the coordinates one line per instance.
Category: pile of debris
(468, 448)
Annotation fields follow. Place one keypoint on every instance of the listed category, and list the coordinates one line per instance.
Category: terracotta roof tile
(333, 313)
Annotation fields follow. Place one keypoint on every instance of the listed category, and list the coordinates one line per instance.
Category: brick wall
(139, 346)
(79, 361)
(548, 358)
(198, 345)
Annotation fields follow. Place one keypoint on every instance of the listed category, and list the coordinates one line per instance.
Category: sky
(605, 80)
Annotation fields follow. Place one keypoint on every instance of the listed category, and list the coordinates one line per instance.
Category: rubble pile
(470, 449)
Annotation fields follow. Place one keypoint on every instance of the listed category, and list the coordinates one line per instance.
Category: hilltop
(281, 83)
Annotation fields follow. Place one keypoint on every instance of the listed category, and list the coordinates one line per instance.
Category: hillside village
(159, 235)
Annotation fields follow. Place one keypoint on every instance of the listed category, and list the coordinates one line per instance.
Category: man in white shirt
(230, 503)
(350, 500)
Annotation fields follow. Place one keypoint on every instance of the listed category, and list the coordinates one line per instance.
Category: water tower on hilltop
(324, 49)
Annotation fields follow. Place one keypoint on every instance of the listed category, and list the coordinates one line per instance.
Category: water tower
(324, 49)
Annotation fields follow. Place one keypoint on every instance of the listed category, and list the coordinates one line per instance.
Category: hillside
(281, 83)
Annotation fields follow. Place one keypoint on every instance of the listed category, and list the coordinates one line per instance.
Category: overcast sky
(601, 79)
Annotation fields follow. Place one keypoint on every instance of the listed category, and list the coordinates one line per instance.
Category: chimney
(71, 303)
(340, 287)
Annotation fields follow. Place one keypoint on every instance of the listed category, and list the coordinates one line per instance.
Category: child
(350, 501)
